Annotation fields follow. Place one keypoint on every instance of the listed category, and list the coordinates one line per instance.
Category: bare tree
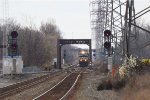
(37, 47)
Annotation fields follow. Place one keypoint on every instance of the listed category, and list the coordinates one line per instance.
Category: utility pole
(11, 62)
(5, 29)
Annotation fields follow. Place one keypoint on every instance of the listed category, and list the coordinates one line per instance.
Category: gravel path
(87, 90)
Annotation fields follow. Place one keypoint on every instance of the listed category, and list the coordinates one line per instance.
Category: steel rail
(63, 98)
(21, 88)
(40, 97)
(52, 87)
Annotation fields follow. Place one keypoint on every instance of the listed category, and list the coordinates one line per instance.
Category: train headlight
(80, 59)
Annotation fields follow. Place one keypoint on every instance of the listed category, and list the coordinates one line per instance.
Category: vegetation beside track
(131, 80)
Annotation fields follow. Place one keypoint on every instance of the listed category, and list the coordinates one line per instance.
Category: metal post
(55, 65)
(14, 65)
(90, 51)
(58, 54)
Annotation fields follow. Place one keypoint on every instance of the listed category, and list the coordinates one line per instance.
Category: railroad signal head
(64, 54)
(107, 33)
(14, 34)
(107, 45)
(13, 46)
(94, 51)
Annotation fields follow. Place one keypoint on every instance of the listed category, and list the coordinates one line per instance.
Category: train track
(21, 86)
(61, 90)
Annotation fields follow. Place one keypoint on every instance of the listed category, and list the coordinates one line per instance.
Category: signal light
(107, 45)
(14, 34)
(94, 50)
(81, 59)
(107, 33)
(14, 46)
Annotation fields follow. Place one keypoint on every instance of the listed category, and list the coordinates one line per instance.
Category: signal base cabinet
(12, 65)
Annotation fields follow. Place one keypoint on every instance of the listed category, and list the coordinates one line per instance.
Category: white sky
(71, 16)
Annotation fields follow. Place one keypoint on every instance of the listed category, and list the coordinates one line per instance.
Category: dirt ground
(86, 89)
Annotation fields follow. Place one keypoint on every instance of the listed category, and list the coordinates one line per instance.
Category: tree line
(36, 46)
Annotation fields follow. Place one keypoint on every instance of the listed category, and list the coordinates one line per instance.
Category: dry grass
(135, 88)
(138, 88)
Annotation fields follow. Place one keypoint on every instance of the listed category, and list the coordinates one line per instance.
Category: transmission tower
(131, 37)
(120, 18)
(107, 14)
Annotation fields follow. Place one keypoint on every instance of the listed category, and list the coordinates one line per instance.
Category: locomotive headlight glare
(82, 52)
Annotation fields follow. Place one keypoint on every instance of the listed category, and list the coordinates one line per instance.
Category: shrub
(118, 84)
(111, 83)
(105, 85)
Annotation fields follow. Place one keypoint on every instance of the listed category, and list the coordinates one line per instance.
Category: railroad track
(20, 86)
(61, 90)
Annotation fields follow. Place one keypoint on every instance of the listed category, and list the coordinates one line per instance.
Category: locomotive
(83, 58)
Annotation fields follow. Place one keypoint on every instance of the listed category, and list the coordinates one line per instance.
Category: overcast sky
(71, 16)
